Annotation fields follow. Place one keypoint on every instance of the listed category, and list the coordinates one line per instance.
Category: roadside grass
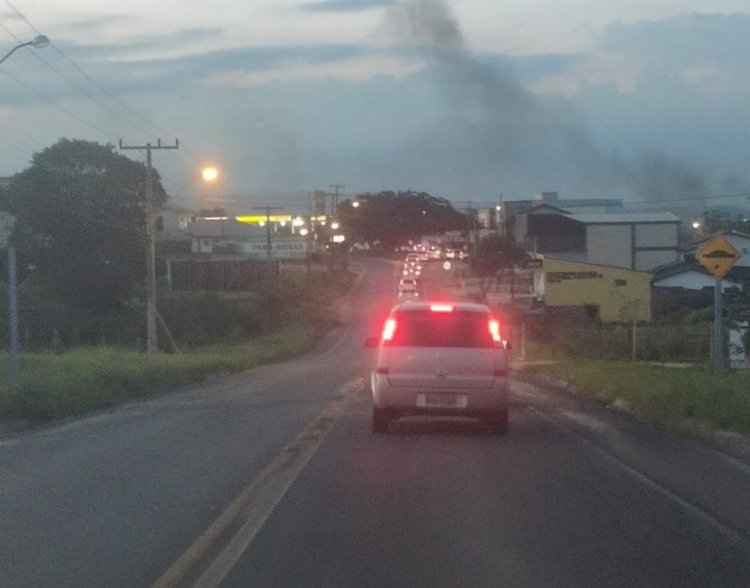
(86, 379)
(674, 397)
(296, 312)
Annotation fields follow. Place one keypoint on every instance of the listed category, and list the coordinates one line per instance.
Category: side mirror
(372, 341)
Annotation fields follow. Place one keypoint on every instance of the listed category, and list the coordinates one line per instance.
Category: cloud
(344, 5)
(96, 23)
(143, 47)
(693, 52)
(353, 69)
(613, 70)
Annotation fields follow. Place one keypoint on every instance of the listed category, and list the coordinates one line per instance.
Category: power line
(102, 89)
(59, 106)
(91, 80)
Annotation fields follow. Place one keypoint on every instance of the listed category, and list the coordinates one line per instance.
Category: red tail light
(389, 329)
(495, 331)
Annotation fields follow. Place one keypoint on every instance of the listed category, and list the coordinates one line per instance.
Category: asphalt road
(273, 478)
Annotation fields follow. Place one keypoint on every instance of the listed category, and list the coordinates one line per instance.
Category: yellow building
(621, 295)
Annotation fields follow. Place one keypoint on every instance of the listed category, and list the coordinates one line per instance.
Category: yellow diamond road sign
(718, 256)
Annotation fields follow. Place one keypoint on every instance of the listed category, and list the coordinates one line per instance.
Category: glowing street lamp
(210, 174)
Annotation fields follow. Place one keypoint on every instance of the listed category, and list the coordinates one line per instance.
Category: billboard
(282, 249)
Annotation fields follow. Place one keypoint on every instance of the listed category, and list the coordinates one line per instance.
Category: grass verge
(666, 396)
(85, 379)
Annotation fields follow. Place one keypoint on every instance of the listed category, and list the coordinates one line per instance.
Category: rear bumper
(404, 399)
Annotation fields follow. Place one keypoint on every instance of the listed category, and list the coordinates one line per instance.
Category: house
(689, 274)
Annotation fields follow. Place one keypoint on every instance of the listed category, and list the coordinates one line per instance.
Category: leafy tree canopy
(494, 254)
(395, 217)
(718, 220)
(80, 221)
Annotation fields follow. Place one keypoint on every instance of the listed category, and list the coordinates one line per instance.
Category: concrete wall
(610, 245)
(621, 294)
(656, 235)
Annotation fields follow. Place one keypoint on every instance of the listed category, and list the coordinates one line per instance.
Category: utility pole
(335, 203)
(268, 210)
(151, 312)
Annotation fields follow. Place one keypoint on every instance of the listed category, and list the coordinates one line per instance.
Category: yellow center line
(258, 500)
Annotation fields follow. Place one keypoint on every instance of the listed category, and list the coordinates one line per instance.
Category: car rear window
(425, 328)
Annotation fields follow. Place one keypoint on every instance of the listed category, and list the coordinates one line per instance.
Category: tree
(493, 255)
(396, 217)
(719, 219)
(80, 222)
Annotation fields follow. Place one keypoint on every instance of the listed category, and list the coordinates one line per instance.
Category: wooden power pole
(151, 312)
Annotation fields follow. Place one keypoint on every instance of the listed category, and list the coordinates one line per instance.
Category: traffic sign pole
(718, 256)
(718, 353)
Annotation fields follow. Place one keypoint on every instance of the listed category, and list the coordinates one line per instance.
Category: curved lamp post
(38, 43)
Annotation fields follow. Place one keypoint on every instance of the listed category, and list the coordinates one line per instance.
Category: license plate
(441, 400)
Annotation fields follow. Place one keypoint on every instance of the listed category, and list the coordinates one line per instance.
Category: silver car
(441, 359)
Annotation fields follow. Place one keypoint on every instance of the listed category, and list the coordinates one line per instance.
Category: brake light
(388, 330)
(441, 307)
(495, 331)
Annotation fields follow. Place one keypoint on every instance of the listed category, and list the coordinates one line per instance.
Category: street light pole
(39, 42)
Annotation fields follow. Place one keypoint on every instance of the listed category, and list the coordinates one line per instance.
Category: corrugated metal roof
(625, 218)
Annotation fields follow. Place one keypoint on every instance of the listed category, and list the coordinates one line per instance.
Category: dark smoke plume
(500, 128)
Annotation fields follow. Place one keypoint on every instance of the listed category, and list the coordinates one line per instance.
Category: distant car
(412, 259)
(445, 359)
(407, 282)
(408, 293)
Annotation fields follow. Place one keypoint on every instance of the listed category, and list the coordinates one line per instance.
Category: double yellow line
(257, 501)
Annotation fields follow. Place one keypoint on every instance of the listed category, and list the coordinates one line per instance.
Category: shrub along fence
(690, 343)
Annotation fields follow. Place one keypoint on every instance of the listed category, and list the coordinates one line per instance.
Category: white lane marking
(10, 443)
(696, 510)
(257, 501)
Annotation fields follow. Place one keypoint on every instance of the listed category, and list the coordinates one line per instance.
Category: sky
(471, 100)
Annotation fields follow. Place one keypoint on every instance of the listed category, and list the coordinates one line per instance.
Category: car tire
(498, 422)
(380, 420)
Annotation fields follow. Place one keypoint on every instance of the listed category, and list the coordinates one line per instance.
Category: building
(636, 241)
(506, 212)
(606, 293)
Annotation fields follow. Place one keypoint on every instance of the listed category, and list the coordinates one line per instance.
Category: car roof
(457, 305)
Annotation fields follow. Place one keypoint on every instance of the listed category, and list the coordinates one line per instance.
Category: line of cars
(408, 285)
(438, 358)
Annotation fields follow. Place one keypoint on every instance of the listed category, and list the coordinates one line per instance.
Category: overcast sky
(468, 100)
